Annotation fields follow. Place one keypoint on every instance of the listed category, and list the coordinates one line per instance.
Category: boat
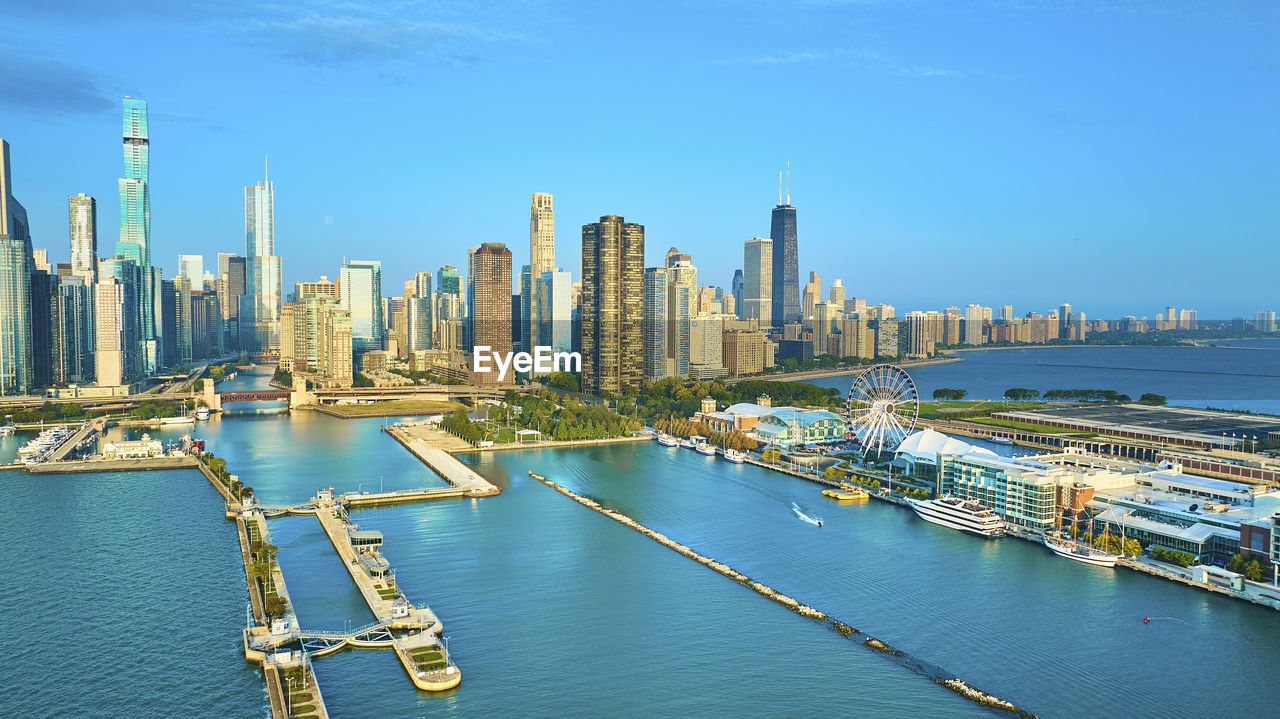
(846, 495)
(687, 443)
(186, 419)
(6, 430)
(1079, 552)
(961, 514)
(1000, 440)
(667, 440)
(202, 413)
(705, 448)
(736, 456)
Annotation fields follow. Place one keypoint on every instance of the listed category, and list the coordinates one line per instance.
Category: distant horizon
(974, 155)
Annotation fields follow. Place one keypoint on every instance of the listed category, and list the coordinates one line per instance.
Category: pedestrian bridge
(260, 395)
(319, 644)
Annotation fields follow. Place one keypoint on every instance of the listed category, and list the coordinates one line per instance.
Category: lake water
(130, 583)
(1245, 377)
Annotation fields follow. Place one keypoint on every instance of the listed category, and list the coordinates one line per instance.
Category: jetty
(933, 673)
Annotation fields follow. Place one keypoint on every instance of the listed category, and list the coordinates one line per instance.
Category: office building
(231, 287)
(555, 311)
(449, 280)
(489, 300)
(542, 258)
(743, 352)
(612, 308)
(757, 284)
(812, 295)
(786, 263)
(72, 335)
(739, 280)
(1264, 321)
(656, 287)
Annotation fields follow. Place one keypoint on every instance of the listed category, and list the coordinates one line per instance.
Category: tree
(216, 372)
(275, 606)
(949, 394)
(1152, 398)
(1021, 394)
(1252, 570)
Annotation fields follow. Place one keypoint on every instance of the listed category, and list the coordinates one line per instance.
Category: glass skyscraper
(360, 284)
(135, 226)
(262, 300)
(16, 265)
(82, 216)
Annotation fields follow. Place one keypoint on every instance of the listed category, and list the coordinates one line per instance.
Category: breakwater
(934, 673)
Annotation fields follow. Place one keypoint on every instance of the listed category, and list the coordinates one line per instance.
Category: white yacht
(735, 455)
(705, 448)
(1079, 552)
(957, 513)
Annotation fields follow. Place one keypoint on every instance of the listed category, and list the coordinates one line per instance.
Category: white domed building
(918, 453)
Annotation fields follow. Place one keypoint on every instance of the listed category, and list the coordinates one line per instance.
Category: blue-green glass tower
(135, 226)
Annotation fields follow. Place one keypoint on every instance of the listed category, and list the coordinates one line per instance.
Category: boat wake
(804, 517)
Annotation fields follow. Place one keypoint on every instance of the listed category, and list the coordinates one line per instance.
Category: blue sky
(1120, 156)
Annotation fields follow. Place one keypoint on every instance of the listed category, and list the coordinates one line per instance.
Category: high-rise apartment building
(656, 285)
(192, 268)
(231, 287)
(73, 325)
(110, 320)
(811, 296)
(1264, 321)
(973, 324)
(757, 281)
(837, 292)
(263, 296)
(360, 288)
(786, 262)
(16, 264)
(612, 308)
(682, 303)
(82, 216)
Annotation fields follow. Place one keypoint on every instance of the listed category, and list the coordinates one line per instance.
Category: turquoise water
(555, 610)
(1245, 378)
(123, 597)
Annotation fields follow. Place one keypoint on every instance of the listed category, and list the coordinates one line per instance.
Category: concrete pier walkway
(431, 447)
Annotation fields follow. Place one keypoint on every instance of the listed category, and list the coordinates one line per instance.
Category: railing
(372, 626)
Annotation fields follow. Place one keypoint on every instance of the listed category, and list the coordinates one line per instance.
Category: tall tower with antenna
(786, 263)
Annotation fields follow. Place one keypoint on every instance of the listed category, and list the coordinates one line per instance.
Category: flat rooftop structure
(1181, 425)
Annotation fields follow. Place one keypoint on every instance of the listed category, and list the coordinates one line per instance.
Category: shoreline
(821, 373)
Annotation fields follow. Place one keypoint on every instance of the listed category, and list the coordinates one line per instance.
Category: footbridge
(370, 636)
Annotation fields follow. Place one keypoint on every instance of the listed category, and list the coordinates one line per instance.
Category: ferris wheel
(883, 406)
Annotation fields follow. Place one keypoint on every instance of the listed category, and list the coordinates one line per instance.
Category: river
(555, 610)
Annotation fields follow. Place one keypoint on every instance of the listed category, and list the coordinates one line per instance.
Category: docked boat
(1079, 552)
(960, 514)
(687, 443)
(186, 419)
(736, 456)
(7, 430)
(846, 495)
(667, 440)
(202, 413)
(705, 448)
(1000, 440)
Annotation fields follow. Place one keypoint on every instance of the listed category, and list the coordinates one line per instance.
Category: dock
(70, 443)
(432, 450)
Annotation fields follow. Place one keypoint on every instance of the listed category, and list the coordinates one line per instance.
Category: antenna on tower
(266, 168)
(779, 187)
(788, 182)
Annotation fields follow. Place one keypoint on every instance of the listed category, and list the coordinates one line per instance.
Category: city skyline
(1083, 173)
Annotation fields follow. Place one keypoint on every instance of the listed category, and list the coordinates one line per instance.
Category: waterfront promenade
(432, 447)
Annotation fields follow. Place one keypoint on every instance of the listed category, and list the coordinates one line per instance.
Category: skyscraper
(263, 296)
(82, 214)
(736, 288)
(682, 300)
(542, 258)
(135, 228)
(231, 287)
(812, 294)
(757, 281)
(612, 307)
(16, 264)
(489, 296)
(786, 262)
(555, 314)
(73, 325)
(656, 292)
(192, 267)
(360, 286)
(124, 320)
(449, 280)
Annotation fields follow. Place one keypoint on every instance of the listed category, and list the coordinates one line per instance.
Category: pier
(431, 447)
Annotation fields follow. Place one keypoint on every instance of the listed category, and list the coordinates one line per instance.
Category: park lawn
(949, 408)
(395, 406)
(1024, 425)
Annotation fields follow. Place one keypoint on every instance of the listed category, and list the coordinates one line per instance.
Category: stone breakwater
(933, 673)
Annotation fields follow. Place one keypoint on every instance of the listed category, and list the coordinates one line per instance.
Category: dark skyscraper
(786, 263)
(612, 307)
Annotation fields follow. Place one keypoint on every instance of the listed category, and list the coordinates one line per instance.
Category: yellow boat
(851, 495)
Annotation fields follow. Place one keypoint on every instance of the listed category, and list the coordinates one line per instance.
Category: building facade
(612, 308)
